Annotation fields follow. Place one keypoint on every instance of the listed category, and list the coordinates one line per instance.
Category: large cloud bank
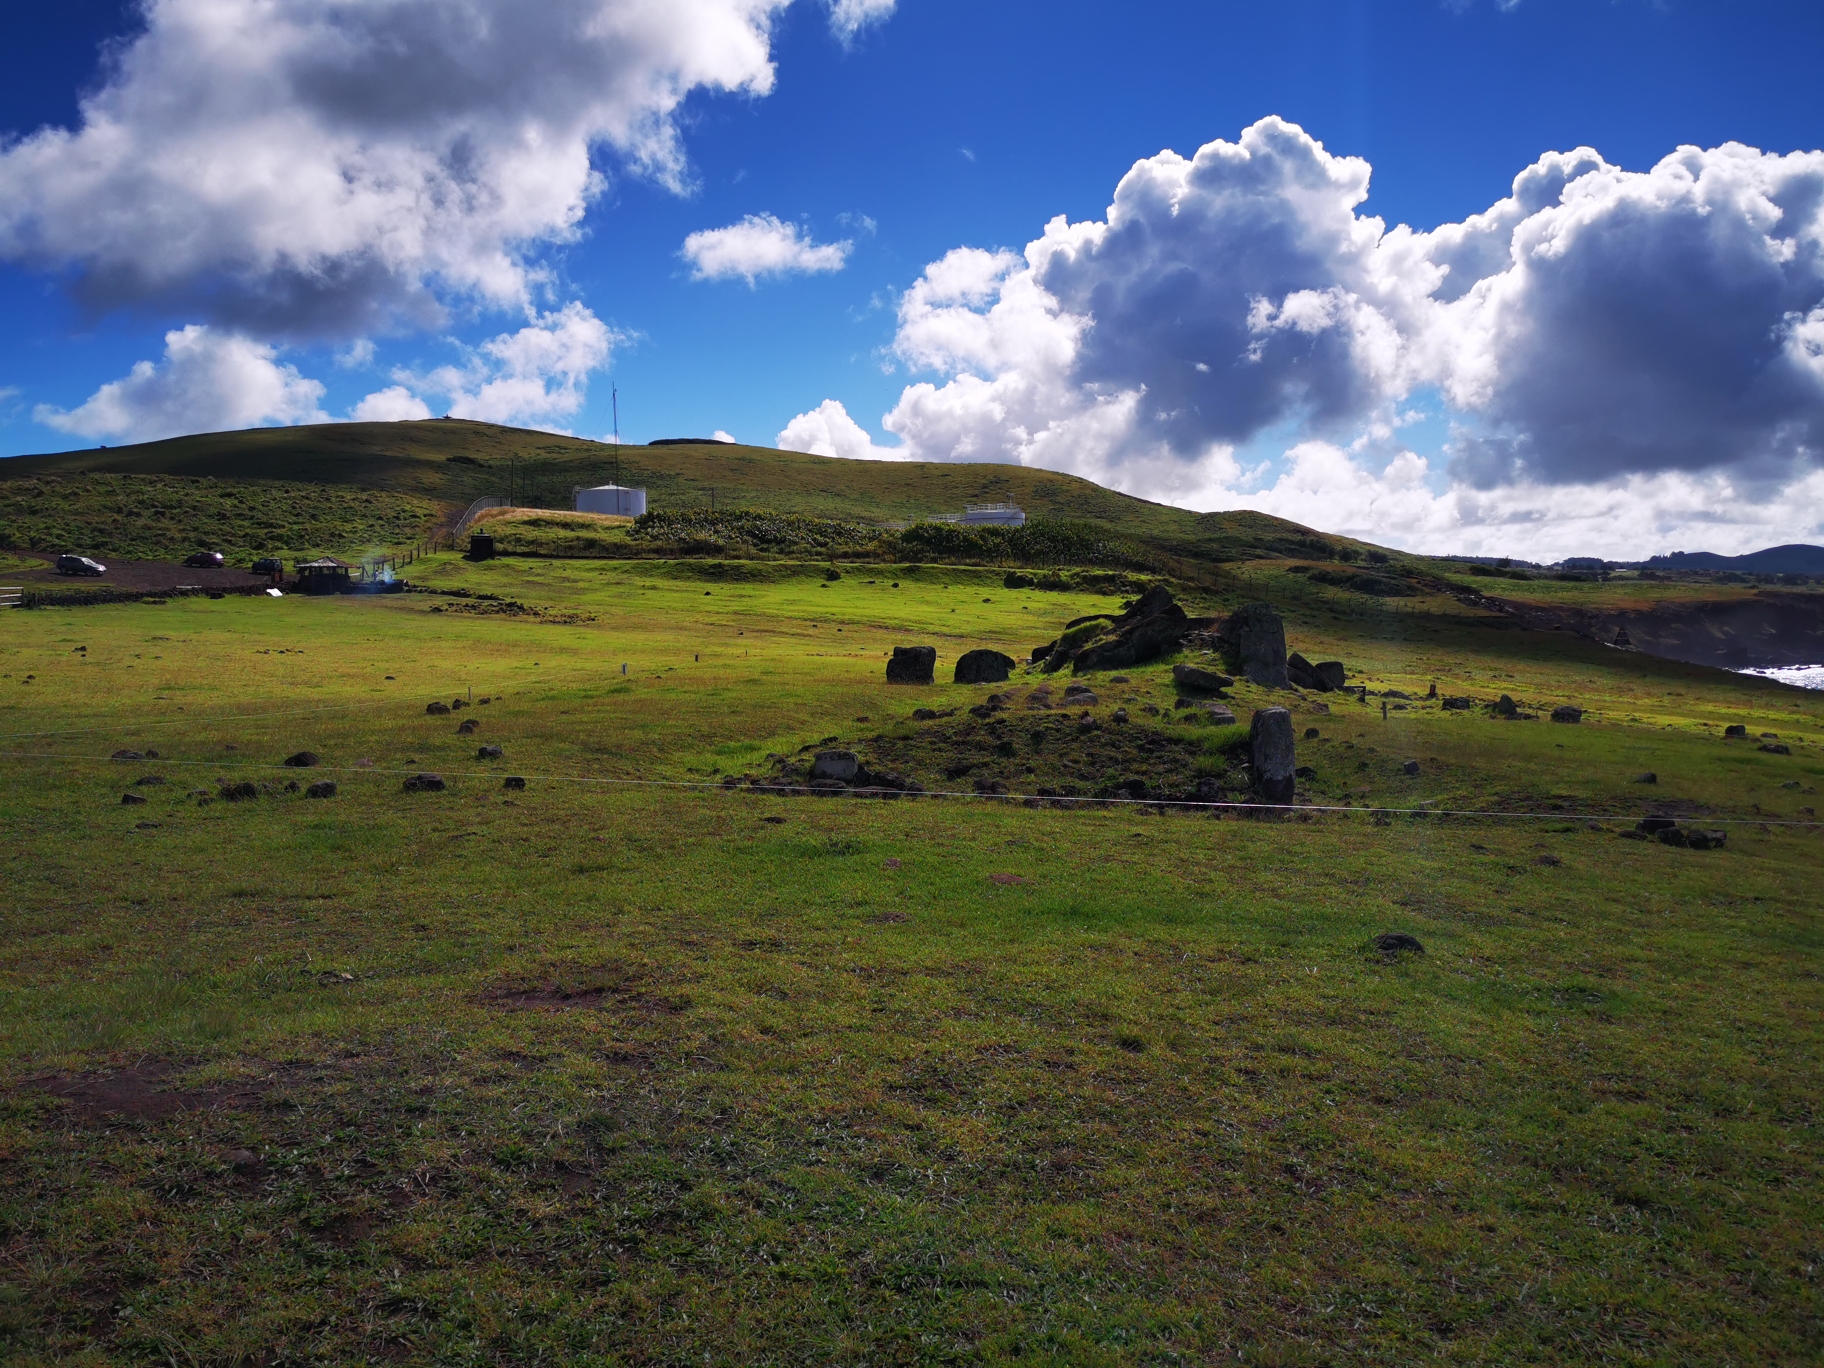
(292, 167)
(1629, 356)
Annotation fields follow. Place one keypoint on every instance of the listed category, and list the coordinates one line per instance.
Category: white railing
(477, 508)
(11, 595)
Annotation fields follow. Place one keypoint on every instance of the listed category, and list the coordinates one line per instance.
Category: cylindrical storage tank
(615, 499)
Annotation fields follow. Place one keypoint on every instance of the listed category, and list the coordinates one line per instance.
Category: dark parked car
(269, 565)
(79, 565)
(204, 560)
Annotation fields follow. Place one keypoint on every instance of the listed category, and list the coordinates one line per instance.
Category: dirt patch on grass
(143, 1092)
(558, 988)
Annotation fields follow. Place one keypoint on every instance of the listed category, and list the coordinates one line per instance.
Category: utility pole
(614, 397)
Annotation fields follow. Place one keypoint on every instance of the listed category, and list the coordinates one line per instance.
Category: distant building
(615, 499)
(325, 576)
(993, 515)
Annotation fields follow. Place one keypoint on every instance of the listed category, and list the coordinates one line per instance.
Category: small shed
(325, 576)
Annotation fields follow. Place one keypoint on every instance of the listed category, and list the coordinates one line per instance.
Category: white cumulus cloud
(208, 381)
(394, 404)
(1624, 354)
(317, 166)
(530, 378)
(827, 430)
(760, 245)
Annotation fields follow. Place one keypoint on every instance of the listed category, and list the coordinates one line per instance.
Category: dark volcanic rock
(1736, 729)
(132, 799)
(1253, 641)
(1331, 676)
(983, 667)
(1301, 673)
(235, 793)
(1567, 712)
(437, 709)
(1395, 943)
(1152, 625)
(513, 782)
(128, 755)
(1410, 767)
(1273, 754)
(490, 753)
(1193, 680)
(424, 783)
(912, 665)
(1776, 748)
(1459, 704)
(1505, 706)
(304, 760)
(840, 765)
(467, 727)
(323, 788)
(1648, 778)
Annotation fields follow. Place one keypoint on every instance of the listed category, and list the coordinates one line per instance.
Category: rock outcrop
(983, 667)
(1151, 626)
(912, 665)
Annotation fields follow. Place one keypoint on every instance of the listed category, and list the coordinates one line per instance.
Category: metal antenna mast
(614, 397)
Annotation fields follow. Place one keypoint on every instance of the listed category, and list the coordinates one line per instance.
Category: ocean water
(1805, 676)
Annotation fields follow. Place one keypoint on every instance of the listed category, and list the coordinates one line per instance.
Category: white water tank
(993, 515)
(616, 499)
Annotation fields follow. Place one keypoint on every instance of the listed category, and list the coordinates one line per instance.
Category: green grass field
(626, 1068)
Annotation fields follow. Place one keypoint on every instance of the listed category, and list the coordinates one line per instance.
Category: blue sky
(933, 126)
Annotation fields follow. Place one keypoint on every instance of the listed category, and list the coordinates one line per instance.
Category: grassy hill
(452, 462)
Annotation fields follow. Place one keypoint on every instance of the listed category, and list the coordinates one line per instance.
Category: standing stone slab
(1253, 640)
(1274, 756)
(983, 667)
(912, 665)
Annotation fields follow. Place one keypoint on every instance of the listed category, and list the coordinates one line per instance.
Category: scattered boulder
(1312, 733)
(467, 727)
(1194, 680)
(1120, 679)
(437, 709)
(1331, 676)
(291, 786)
(912, 665)
(425, 783)
(1459, 704)
(1149, 627)
(127, 755)
(1735, 729)
(1776, 748)
(1648, 778)
(148, 780)
(323, 788)
(456, 703)
(840, 765)
(1567, 712)
(304, 760)
(924, 714)
(1218, 716)
(132, 799)
(1673, 836)
(1393, 944)
(490, 753)
(1652, 826)
(1120, 715)
(1253, 643)
(513, 782)
(1505, 707)
(1410, 767)
(1042, 653)
(1305, 772)
(1273, 754)
(983, 667)
(1706, 840)
(1301, 673)
(235, 793)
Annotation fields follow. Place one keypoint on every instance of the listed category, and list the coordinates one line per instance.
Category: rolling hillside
(453, 462)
